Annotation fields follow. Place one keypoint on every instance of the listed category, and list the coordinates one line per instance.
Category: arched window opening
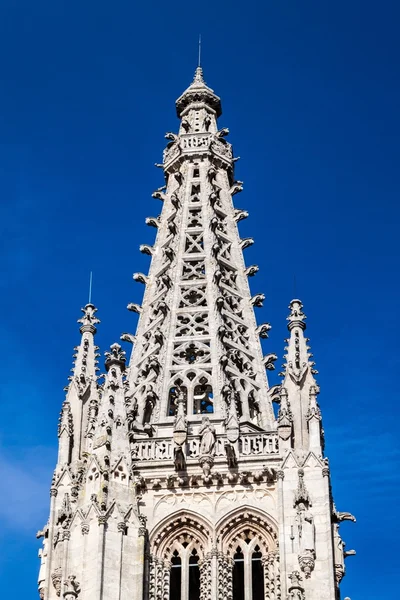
(257, 574)
(203, 398)
(238, 575)
(194, 576)
(254, 408)
(175, 579)
(176, 389)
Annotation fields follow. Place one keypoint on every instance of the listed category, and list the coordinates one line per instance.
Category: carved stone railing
(250, 444)
(197, 142)
(258, 443)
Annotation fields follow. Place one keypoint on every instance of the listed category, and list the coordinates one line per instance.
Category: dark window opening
(195, 190)
(196, 172)
(238, 575)
(173, 395)
(257, 575)
(203, 398)
(194, 577)
(175, 578)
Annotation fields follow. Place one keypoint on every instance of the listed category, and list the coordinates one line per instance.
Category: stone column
(207, 577)
(49, 565)
(282, 533)
(225, 577)
(102, 521)
(330, 573)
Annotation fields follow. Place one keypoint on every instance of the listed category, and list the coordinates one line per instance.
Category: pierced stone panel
(194, 243)
(188, 324)
(195, 219)
(194, 269)
(193, 296)
(191, 353)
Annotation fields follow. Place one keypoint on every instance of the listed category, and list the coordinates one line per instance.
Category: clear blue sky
(311, 95)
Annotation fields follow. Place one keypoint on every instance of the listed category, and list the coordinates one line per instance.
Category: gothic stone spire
(174, 462)
(197, 330)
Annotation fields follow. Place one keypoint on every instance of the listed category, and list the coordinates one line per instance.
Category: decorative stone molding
(85, 527)
(72, 588)
(296, 591)
(56, 579)
(307, 562)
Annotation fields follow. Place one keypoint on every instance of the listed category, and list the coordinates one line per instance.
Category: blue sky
(310, 92)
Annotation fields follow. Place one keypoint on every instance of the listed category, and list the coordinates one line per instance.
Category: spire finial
(199, 61)
(296, 317)
(89, 320)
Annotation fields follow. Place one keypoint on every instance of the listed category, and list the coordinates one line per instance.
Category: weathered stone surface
(178, 454)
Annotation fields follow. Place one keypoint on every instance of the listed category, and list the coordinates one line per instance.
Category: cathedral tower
(175, 480)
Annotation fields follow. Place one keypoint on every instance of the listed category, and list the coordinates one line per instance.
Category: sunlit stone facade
(176, 479)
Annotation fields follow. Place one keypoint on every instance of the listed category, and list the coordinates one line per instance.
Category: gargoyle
(258, 300)
(171, 136)
(146, 249)
(240, 214)
(141, 278)
(222, 133)
(153, 222)
(269, 360)
(158, 195)
(236, 188)
(262, 330)
(136, 308)
(252, 270)
(128, 337)
(246, 243)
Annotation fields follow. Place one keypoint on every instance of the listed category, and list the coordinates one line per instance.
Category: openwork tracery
(249, 544)
(179, 559)
(196, 389)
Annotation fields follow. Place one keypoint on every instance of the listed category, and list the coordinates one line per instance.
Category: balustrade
(250, 444)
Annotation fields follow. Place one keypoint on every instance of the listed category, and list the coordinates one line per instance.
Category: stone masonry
(174, 465)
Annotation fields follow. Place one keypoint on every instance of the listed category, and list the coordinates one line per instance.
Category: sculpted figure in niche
(207, 434)
(306, 529)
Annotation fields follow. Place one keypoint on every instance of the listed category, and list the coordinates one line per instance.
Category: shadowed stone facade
(175, 480)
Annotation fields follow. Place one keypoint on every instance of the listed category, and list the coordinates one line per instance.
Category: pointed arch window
(184, 581)
(249, 553)
(197, 391)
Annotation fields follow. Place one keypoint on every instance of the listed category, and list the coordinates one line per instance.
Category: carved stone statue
(306, 529)
(207, 433)
(71, 588)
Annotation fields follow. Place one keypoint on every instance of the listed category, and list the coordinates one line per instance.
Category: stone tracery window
(251, 544)
(177, 560)
(197, 391)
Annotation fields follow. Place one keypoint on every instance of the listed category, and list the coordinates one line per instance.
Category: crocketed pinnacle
(198, 92)
(299, 385)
